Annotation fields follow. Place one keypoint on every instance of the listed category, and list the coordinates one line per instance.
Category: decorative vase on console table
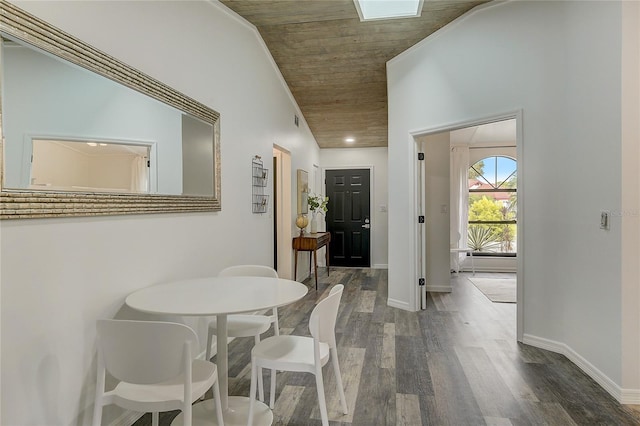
(301, 222)
(317, 205)
(313, 228)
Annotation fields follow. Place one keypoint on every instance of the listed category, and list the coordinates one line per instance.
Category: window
(369, 10)
(493, 206)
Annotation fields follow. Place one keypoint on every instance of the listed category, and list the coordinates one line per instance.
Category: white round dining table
(220, 296)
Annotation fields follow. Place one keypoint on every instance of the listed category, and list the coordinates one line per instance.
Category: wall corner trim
(399, 304)
(623, 396)
(267, 52)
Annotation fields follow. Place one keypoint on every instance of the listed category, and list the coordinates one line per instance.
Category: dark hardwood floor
(455, 363)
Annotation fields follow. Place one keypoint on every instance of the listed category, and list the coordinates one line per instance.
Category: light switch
(383, 208)
(604, 220)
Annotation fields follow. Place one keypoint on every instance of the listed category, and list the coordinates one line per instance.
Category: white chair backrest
(145, 352)
(248, 271)
(336, 288)
(322, 322)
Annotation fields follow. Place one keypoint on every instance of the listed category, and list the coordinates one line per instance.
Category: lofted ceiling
(335, 65)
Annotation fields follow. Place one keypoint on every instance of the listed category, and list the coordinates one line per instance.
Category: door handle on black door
(366, 225)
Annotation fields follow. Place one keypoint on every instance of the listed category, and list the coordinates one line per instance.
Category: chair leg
(272, 389)
(155, 418)
(216, 398)
(187, 418)
(208, 352)
(321, 400)
(276, 325)
(272, 393)
(97, 414)
(100, 380)
(260, 380)
(336, 371)
(209, 342)
(252, 390)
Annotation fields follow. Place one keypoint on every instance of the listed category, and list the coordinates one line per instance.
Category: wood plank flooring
(455, 363)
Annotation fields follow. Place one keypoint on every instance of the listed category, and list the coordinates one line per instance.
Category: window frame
(498, 187)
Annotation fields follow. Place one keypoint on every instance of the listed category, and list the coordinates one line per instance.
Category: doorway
(349, 216)
(447, 220)
(282, 234)
(484, 195)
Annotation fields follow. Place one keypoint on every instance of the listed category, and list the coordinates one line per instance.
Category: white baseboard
(490, 269)
(380, 266)
(440, 288)
(399, 304)
(630, 396)
(623, 396)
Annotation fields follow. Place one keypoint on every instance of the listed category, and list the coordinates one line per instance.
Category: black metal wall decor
(259, 181)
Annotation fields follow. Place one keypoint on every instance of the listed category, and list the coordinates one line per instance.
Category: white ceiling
(500, 133)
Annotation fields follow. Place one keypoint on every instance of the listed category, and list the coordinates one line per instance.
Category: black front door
(348, 218)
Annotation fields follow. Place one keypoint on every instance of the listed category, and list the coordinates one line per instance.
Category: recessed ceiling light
(92, 144)
(349, 140)
(388, 9)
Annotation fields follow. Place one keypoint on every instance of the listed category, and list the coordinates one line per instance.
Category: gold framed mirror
(25, 193)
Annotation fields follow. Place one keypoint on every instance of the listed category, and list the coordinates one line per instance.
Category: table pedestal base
(236, 415)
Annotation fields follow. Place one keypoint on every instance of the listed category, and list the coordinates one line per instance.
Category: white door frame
(283, 219)
(417, 233)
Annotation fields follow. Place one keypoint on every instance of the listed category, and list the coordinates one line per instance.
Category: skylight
(388, 9)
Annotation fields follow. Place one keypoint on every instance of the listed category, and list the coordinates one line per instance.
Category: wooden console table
(311, 243)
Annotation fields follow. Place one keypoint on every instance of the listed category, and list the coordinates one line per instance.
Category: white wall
(377, 159)
(59, 275)
(567, 81)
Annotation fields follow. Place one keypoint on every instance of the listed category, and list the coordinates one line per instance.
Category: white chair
(155, 366)
(455, 251)
(304, 354)
(247, 325)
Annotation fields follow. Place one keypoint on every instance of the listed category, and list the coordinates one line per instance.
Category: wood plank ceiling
(335, 65)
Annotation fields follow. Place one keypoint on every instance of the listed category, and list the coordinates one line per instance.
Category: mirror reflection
(63, 165)
(69, 129)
